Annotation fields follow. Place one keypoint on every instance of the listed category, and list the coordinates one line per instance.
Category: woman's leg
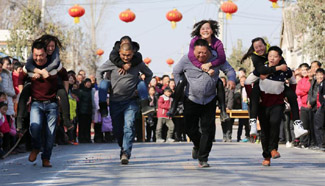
(22, 106)
(142, 89)
(297, 124)
(65, 107)
(221, 97)
(178, 95)
(254, 104)
(102, 94)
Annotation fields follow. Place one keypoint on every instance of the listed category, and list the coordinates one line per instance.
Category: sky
(158, 41)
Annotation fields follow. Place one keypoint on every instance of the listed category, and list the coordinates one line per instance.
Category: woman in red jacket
(302, 90)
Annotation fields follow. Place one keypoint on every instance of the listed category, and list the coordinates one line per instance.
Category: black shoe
(203, 164)
(195, 153)
(103, 109)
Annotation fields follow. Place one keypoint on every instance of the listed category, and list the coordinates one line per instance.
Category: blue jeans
(104, 85)
(43, 115)
(123, 117)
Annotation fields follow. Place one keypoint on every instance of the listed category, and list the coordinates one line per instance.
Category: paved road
(166, 164)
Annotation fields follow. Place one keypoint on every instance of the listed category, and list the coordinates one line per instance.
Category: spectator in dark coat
(84, 116)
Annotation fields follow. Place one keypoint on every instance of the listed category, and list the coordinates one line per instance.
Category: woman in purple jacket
(208, 30)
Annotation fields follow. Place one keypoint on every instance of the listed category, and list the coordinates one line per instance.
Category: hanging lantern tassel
(76, 20)
(228, 16)
(275, 5)
(173, 24)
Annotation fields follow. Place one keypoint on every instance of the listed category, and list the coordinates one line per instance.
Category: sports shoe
(289, 144)
(160, 141)
(244, 140)
(257, 141)
(170, 140)
(266, 162)
(203, 164)
(195, 153)
(124, 159)
(275, 154)
(253, 131)
(299, 129)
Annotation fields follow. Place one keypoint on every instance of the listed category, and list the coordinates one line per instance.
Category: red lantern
(174, 16)
(229, 8)
(147, 60)
(76, 11)
(274, 3)
(127, 16)
(170, 62)
(100, 52)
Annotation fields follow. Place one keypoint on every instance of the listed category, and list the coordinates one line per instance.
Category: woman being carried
(258, 53)
(208, 30)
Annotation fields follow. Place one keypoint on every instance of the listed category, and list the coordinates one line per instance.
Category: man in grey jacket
(123, 104)
(200, 99)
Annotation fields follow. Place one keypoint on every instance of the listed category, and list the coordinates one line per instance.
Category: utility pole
(43, 14)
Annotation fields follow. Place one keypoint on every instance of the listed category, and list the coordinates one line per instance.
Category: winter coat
(164, 104)
(313, 95)
(302, 90)
(8, 89)
(85, 101)
(7, 126)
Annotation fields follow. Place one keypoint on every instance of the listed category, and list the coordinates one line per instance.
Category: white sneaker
(253, 131)
(160, 141)
(289, 144)
(170, 140)
(299, 129)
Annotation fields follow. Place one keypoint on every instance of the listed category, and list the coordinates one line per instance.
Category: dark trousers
(24, 97)
(84, 128)
(307, 117)
(270, 119)
(288, 93)
(180, 134)
(227, 128)
(202, 135)
(151, 124)
(8, 141)
(241, 124)
(319, 124)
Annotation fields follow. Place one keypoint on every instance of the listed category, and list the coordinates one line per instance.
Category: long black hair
(251, 48)
(47, 38)
(213, 24)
